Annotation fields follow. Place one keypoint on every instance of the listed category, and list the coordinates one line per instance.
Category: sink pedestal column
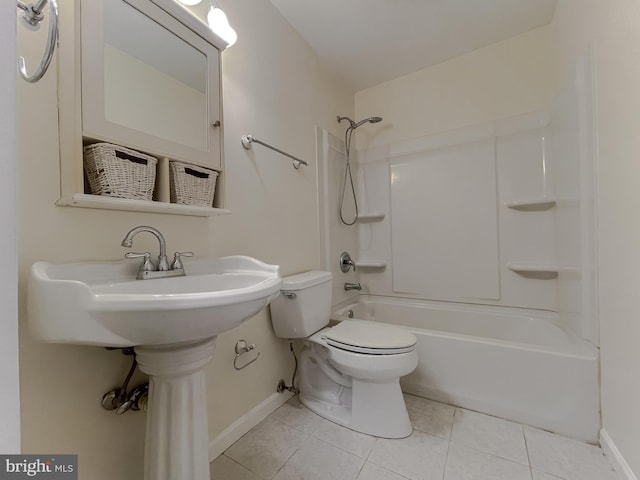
(177, 436)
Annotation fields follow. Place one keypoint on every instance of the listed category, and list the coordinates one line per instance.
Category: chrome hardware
(350, 313)
(148, 270)
(216, 124)
(139, 397)
(290, 295)
(125, 407)
(120, 399)
(352, 286)
(177, 263)
(241, 349)
(117, 399)
(282, 385)
(33, 16)
(346, 263)
(147, 264)
(247, 140)
(137, 400)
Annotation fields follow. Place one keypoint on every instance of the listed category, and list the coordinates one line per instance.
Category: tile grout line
(290, 456)
(526, 447)
(446, 458)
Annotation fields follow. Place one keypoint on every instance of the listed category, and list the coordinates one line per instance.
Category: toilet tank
(303, 306)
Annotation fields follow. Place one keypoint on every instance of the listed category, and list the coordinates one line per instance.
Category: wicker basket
(192, 184)
(117, 171)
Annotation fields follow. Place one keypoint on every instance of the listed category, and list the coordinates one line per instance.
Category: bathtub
(513, 363)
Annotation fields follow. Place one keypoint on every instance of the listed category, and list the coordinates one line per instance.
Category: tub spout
(352, 286)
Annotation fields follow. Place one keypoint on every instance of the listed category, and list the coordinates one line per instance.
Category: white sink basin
(103, 303)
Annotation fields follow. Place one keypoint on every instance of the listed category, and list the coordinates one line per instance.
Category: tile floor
(448, 443)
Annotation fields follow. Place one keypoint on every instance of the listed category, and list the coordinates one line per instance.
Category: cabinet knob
(216, 124)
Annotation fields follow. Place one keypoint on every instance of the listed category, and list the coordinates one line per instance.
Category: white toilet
(349, 373)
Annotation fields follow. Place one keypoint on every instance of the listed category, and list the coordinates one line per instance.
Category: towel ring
(241, 349)
(33, 16)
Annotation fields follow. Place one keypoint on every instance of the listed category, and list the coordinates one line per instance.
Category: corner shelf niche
(532, 205)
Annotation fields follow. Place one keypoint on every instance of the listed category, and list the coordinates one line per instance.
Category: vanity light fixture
(190, 2)
(219, 23)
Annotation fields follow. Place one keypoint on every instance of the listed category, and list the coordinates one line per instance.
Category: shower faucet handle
(346, 263)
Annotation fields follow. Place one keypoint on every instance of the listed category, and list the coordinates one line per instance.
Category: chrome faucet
(147, 269)
(352, 286)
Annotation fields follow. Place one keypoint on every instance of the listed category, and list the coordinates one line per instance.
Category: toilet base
(374, 408)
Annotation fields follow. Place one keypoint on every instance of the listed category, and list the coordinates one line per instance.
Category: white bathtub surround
(450, 230)
(480, 449)
(437, 198)
(447, 233)
(513, 363)
(177, 439)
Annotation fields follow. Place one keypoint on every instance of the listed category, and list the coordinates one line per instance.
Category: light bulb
(190, 2)
(219, 23)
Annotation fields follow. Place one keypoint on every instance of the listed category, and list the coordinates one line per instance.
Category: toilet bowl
(349, 373)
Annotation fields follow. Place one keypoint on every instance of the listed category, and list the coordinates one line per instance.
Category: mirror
(154, 81)
(150, 80)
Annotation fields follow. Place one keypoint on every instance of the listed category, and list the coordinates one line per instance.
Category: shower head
(368, 120)
(355, 125)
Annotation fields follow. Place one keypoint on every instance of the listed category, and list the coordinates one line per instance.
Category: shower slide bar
(247, 140)
(33, 16)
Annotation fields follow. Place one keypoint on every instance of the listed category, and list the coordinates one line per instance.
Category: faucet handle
(177, 263)
(147, 264)
(346, 263)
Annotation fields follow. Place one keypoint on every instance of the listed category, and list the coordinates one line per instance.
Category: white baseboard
(237, 429)
(615, 457)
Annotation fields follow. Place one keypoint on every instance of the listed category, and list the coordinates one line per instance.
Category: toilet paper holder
(241, 349)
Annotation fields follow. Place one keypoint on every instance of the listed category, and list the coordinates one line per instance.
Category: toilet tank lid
(305, 280)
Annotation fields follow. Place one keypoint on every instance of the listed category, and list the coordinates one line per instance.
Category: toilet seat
(361, 336)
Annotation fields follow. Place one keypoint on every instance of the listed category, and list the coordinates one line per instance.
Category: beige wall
(274, 88)
(612, 29)
(504, 79)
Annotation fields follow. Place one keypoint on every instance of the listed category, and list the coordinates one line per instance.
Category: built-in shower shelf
(539, 270)
(533, 204)
(370, 217)
(371, 264)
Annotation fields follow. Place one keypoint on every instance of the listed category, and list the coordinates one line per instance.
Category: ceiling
(368, 42)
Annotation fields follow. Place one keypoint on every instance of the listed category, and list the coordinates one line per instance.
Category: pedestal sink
(171, 322)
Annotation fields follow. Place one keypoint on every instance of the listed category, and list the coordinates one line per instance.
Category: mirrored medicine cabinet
(145, 75)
